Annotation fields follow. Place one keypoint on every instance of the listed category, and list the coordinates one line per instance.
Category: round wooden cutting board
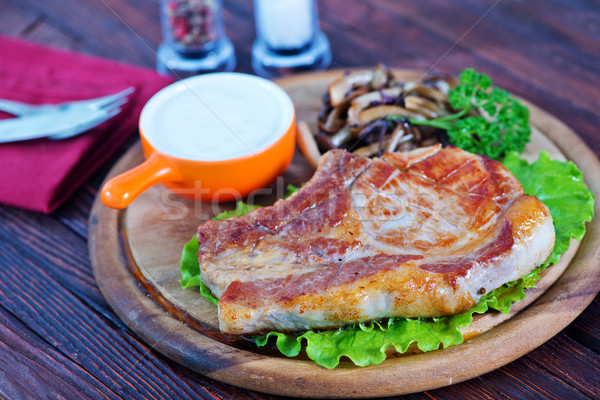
(135, 255)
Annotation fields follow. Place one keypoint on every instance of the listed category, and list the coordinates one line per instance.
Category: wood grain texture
(76, 324)
(544, 50)
(135, 258)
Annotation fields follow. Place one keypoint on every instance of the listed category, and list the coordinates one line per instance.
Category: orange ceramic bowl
(215, 137)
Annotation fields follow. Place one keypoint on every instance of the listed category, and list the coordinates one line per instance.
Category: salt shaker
(288, 38)
(194, 39)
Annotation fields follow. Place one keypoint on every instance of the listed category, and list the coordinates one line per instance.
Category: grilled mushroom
(371, 150)
(431, 93)
(328, 142)
(362, 102)
(339, 88)
(397, 134)
(333, 122)
(380, 112)
(336, 118)
(381, 77)
(374, 148)
(369, 110)
(374, 79)
(442, 83)
(423, 106)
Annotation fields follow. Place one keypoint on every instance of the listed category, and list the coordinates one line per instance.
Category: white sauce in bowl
(216, 117)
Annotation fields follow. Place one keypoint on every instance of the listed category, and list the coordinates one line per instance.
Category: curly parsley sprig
(500, 125)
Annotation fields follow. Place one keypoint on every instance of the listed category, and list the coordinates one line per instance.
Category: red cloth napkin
(41, 174)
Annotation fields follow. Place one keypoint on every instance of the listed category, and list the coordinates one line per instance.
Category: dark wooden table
(58, 336)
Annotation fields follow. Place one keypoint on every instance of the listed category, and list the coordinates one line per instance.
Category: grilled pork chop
(424, 233)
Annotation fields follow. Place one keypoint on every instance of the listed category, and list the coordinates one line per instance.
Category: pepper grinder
(288, 38)
(194, 40)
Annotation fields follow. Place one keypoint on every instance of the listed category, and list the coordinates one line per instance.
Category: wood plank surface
(545, 51)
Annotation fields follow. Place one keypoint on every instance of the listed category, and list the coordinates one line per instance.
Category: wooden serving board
(135, 255)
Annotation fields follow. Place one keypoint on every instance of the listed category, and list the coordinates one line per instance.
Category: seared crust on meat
(423, 233)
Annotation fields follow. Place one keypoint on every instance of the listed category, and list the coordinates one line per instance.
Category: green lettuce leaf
(558, 184)
(365, 344)
(240, 210)
(291, 189)
(190, 270)
(189, 266)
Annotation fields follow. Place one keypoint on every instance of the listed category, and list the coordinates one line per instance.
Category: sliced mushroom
(381, 77)
(364, 101)
(341, 137)
(333, 121)
(442, 83)
(324, 113)
(380, 112)
(358, 108)
(340, 87)
(443, 86)
(422, 106)
(374, 148)
(404, 141)
(336, 118)
(429, 92)
(307, 144)
(323, 141)
(373, 79)
(328, 142)
(371, 149)
(371, 129)
(416, 132)
(398, 132)
(357, 92)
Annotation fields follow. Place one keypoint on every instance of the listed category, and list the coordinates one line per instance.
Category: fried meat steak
(418, 234)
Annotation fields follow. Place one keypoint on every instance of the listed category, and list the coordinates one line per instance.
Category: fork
(23, 109)
(69, 118)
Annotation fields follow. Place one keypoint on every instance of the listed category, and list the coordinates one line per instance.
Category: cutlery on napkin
(58, 121)
(41, 174)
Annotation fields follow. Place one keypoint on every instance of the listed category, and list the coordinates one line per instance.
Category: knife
(48, 124)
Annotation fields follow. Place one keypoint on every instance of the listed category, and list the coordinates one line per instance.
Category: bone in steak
(424, 233)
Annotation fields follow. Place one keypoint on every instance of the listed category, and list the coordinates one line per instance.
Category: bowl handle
(121, 190)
